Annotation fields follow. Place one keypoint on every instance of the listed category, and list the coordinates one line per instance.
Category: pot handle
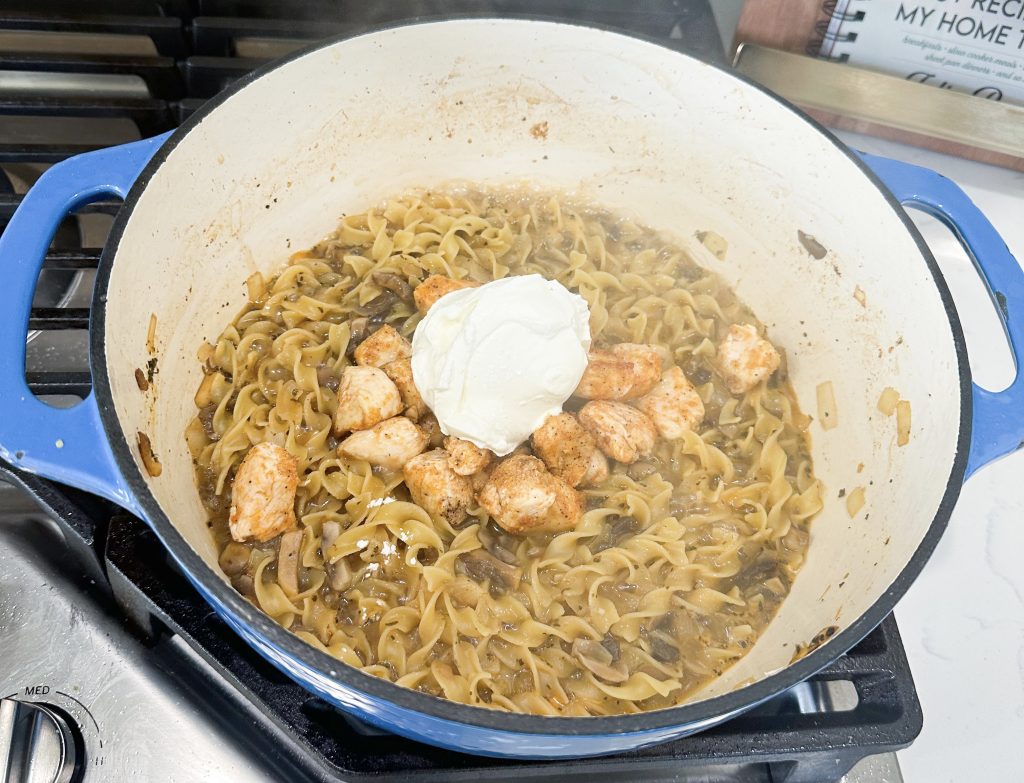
(997, 425)
(65, 444)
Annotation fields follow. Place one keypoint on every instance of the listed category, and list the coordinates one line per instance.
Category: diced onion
(715, 243)
(256, 286)
(855, 501)
(887, 402)
(151, 334)
(827, 413)
(902, 422)
(149, 460)
(204, 394)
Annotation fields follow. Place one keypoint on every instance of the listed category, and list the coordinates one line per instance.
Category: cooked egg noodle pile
(679, 561)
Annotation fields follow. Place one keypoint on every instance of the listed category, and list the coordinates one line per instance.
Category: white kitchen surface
(963, 619)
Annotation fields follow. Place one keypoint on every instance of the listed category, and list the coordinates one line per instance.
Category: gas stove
(111, 666)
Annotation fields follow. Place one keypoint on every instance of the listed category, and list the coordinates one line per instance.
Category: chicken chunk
(389, 444)
(597, 472)
(621, 431)
(436, 286)
(481, 477)
(263, 494)
(673, 405)
(438, 489)
(523, 497)
(400, 373)
(366, 397)
(745, 358)
(566, 448)
(623, 372)
(466, 458)
(382, 347)
(430, 425)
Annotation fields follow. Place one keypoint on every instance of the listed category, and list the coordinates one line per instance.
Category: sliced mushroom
(597, 658)
(499, 543)
(393, 283)
(288, 562)
(663, 641)
(359, 330)
(482, 566)
(339, 575)
(379, 305)
(234, 559)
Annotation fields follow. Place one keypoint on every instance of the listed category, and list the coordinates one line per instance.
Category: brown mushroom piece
(288, 562)
(499, 543)
(339, 574)
(234, 559)
(390, 281)
(378, 306)
(482, 566)
(599, 660)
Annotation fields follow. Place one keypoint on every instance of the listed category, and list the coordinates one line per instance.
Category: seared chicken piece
(263, 494)
(438, 489)
(623, 372)
(429, 424)
(621, 431)
(466, 458)
(366, 397)
(673, 405)
(400, 373)
(523, 497)
(479, 479)
(382, 347)
(745, 358)
(436, 286)
(566, 448)
(597, 472)
(389, 444)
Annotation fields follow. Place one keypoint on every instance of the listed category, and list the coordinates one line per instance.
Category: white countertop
(962, 621)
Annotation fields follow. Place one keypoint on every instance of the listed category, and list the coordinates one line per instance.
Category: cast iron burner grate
(62, 92)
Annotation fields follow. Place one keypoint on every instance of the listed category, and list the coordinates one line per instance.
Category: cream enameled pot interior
(640, 129)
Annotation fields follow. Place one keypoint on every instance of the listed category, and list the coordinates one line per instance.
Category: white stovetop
(962, 621)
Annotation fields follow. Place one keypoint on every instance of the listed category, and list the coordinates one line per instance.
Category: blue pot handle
(997, 426)
(64, 444)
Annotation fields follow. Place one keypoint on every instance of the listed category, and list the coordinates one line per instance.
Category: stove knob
(37, 744)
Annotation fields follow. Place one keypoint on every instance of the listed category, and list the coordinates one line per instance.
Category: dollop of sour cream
(494, 362)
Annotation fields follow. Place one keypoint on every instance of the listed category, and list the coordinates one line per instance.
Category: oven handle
(65, 444)
(997, 420)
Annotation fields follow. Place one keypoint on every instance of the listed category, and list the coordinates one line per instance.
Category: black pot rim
(707, 710)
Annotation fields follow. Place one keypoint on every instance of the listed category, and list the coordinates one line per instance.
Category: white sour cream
(494, 362)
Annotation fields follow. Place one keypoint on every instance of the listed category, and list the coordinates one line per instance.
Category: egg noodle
(679, 561)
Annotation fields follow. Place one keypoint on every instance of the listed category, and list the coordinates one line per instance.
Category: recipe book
(971, 46)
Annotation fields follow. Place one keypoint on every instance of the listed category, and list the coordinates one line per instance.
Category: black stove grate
(159, 61)
(863, 704)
